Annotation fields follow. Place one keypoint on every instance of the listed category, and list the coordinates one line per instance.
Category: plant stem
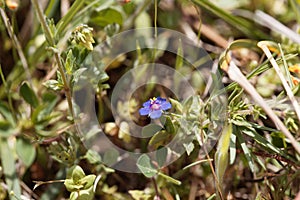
(156, 188)
(16, 43)
(8, 94)
(51, 42)
(155, 19)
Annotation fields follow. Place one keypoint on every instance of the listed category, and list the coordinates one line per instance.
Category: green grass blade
(9, 169)
(239, 23)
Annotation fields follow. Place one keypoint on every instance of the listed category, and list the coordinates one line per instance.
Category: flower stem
(51, 42)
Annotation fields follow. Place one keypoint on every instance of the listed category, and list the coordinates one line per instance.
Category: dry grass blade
(236, 75)
(273, 24)
(281, 76)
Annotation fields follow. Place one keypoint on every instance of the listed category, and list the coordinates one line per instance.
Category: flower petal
(160, 100)
(144, 111)
(165, 105)
(147, 103)
(155, 114)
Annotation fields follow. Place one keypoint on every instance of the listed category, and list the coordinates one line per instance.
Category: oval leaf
(29, 95)
(26, 151)
(145, 166)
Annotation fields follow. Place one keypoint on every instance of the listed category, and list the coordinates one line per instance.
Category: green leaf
(88, 181)
(82, 195)
(6, 129)
(150, 129)
(71, 186)
(93, 157)
(176, 104)
(143, 21)
(102, 77)
(110, 157)
(145, 166)
(169, 126)
(6, 112)
(26, 151)
(107, 16)
(159, 138)
(77, 74)
(278, 139)
(9, 168)
(70, 62)
(29, 95)
(77, 174)
(232, 148)
(221, 156)
(53, 84)
(161, 156)
(238, 22)
(246, 151)
(138, 195)
(189, 147)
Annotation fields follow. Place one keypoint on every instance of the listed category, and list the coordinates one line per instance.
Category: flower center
(155, 106)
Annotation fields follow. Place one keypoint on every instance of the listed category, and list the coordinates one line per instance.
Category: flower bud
(13, 5)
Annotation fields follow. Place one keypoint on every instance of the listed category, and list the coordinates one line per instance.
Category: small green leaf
(107, 16)
(103, 77)
(232, 148)
(138, 194)
(278, 139)
(221, 155)
(26, 151)
(77, 174)
(71, 186)
(159, 138)
(161, 156)
(145, 166)
(9, 168)
(93, 157)
(246, 151)
(5, 128)
(110, 157)
(176, 104)
(189, 147)
(29, 95)
(77, 74)
(5, 111)
(88, 181)
(53, 84)
(70, 62)
(150, 130)
(169, 126)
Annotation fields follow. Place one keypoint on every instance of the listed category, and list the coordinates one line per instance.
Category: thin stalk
(155, 19)
(156, 189)
(282, 78)
(17, 44)
(286, 68)
(219, 190)
(51, 42)
(11, 107)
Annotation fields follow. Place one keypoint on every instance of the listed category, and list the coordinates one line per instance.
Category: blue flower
(155, 107)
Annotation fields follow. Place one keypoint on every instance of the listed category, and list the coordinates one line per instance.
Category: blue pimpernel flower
(155, 107)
